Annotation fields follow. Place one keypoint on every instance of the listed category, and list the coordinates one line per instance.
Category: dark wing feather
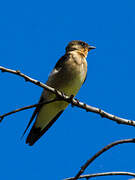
(61, 61)
(34, 114)
(36, 133)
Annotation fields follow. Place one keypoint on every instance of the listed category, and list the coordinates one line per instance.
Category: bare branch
(89, 161)
(36, 82)
(17, 110)
(88, 176)
(24, 108)
(74, 102)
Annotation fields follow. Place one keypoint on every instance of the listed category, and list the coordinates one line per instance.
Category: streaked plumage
(67, 76)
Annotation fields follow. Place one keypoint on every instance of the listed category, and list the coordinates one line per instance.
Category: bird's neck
(82, 54)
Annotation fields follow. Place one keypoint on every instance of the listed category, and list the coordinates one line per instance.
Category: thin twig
(71, 100)
(88, 176)
(36, 82)
(17, 110)
(24, 108)
(89, 161)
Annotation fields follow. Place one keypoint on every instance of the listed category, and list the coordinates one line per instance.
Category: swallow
(68, 76)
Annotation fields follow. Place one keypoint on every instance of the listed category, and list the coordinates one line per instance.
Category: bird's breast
(74, 77)
(70, 77)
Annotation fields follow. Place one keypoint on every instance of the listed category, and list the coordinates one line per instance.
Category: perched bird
(67, 76)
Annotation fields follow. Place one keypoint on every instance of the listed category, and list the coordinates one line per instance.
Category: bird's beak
(91, 47)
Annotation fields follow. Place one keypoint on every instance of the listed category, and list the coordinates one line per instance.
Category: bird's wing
(36, 133)
(36, 111)
(61, 61)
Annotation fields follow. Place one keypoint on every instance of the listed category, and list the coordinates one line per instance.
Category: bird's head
(79, 46)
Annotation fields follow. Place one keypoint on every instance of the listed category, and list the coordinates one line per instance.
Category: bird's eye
(82, 43)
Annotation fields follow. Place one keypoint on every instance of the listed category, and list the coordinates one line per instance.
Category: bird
(67, 76)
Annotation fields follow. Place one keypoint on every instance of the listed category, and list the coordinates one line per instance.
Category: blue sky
(33, 36)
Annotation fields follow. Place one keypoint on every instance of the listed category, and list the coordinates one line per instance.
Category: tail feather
(34, 135)
(36, 132)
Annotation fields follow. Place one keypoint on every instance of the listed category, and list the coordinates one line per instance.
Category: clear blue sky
(33, 36)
